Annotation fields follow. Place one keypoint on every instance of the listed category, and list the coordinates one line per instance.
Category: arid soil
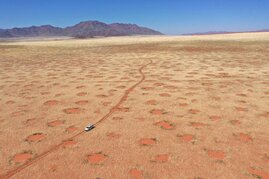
(164, 107)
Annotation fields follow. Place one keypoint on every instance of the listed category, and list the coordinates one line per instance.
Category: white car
(89, 127)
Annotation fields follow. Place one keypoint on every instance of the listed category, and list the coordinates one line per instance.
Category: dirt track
(199, 109)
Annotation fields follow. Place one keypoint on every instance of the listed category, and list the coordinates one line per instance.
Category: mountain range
(83, 29)
(224, 32)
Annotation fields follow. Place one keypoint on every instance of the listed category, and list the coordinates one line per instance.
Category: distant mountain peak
(224, 32)
(89, 23)
(83, 29)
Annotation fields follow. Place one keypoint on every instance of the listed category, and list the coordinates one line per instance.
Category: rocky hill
(81, 30)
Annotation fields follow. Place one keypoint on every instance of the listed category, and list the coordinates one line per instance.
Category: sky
(168, 16)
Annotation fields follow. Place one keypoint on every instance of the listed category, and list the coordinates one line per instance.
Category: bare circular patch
(235, 122)
(186, 137)
(82, 94)
(215, 118)
(37, 137)
(136, 173)
(55, 123)
(244, 137)
(22, 157)
(117, 118)
(10, 102)
(113, 135)
(197, 124)
(157, 111)
(165, 125)
(147, 141)
(69, 143)
(72, 110)
(151, 102)
(183, 104)
(165, 95)
(71, 129)
(96, 158)
(194, 111)
(161, 158)
(241, 109)
(216, 154)
(258, 173)
(82, 102)
(51, 103)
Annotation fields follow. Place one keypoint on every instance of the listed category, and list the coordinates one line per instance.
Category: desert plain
(184, 107)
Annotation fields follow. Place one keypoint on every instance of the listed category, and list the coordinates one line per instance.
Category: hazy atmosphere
(169, 17)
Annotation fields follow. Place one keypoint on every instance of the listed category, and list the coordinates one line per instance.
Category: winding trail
(16, 170)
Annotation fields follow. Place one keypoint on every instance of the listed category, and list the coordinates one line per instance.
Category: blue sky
(167, 16)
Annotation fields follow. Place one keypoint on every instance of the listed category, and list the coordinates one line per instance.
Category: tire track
(115, 108)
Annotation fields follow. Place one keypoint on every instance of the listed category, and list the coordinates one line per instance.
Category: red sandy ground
(171, 109)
